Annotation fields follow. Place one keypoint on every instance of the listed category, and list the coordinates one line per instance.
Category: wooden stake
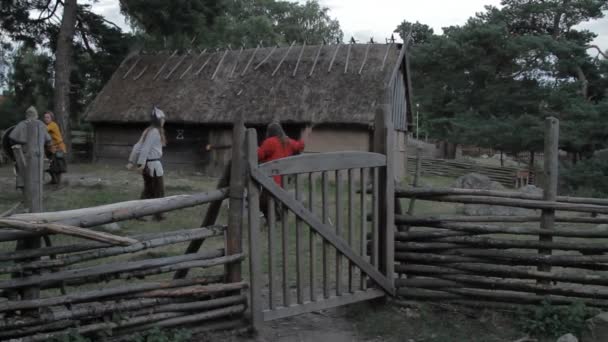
(347, 58)
(265, 58)
(314, 63)
(176, 66)
(547, 219)
(333, 58)
(192, 64)
(250, 59)
(388, 48)
(236, 62)
(141, 73)
(204, 65)
(131, 69)
(295, 70)
(164, 65)
(364, 58)
(220, 63)
(283, 59)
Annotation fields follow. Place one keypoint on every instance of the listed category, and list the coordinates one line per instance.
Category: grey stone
(567, 338)
(110, 227)
(597, 329)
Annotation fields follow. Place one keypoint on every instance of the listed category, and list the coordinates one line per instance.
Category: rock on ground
(567, 338)
(597, 329)
(110, 227)
(481, 182)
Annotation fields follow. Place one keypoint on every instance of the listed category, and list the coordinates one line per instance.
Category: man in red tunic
(278, 145)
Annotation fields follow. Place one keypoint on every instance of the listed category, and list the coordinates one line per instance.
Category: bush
(588, 178)
(554, 321)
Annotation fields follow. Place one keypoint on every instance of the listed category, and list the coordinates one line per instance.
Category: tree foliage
(492, 81)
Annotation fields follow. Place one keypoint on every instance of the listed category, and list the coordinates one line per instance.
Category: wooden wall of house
(398, 103)
(185, 146)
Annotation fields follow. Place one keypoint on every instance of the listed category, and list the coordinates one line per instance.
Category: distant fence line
(506, 176)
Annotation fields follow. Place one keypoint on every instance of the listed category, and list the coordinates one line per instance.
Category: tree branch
(51, 12)
(82, 30)
(598, 50)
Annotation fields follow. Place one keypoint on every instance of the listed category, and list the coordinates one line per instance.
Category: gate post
(384, 143)
(253, 201)
(234, 232)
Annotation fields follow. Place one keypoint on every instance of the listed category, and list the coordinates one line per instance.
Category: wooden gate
(328, 237)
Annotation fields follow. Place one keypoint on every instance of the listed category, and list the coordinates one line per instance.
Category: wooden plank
(325, 214)
(255, 260)
(323, 229)
(164, 65)
(299, 249)
(238, 169)
(312, 237)
(265, 58)
(550, 170)
(317, 162)
(351, 223)
(131, 69)
(388, 216)
(219, 64)
(295, 70)
(272, 245)
(375, 216)
(328, 303)
(314, 63)
(285, 256)
(283, 59)
(363, 220)
(333, 58)
(250, 60)
(364, 58)
(338, 229)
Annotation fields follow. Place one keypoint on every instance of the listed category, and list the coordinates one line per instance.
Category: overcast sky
(379, 18)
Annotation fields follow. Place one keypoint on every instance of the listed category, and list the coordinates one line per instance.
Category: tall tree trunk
(63, 66)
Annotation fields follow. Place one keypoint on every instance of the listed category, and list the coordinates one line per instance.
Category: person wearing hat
(19, 136)
(56, 149)
(146, 157)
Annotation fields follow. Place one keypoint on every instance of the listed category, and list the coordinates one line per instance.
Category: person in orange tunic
(56, 149)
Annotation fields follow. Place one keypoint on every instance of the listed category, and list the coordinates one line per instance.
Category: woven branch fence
(110, 286)
(485, 261)
(506, 176)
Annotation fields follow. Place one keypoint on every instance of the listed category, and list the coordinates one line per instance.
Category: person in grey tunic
(19, 136)
(146, 156)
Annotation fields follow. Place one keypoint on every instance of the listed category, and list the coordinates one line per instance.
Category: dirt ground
(88, 185)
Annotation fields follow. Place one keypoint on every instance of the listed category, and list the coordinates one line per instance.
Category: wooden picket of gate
(362, 268)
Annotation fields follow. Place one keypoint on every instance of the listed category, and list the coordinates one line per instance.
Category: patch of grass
(554, 321)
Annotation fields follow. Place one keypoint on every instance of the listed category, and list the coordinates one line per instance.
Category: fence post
(547, 219)
(253, 201)
(30, 169)
(234, 233)
(384, 143)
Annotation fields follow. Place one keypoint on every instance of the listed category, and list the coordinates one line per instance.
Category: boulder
(567, 338)
(481, 182)
(597, 329)
(110, 227)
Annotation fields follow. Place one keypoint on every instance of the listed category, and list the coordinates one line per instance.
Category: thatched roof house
(335, 87)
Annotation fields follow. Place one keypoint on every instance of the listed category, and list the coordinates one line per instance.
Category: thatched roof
(212, 87)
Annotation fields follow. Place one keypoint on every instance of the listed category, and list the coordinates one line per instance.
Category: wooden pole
(253, 193)
(234, 232)
(547, 219)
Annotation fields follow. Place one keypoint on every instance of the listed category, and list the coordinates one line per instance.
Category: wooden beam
(330, 161)
(238, 169)
(176, 66)
(314, 63)
(265, 58)
(295, 70)
(388, 49)
(323, 229)
(250, 59)
(347, 58)
(219, 64)
(333, 58)
(164, 65)
(192, 64)
(141, 73)
(547, 218)
(283, 59)
(364, 58)
(131, 69)
(236, 62)
(204, 65)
